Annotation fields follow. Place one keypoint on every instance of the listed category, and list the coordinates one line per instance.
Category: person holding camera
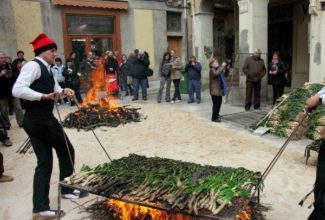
(193, 69)
(176, 75)
(218, 87)
(164, 75)
(7, 79)
(140, 68)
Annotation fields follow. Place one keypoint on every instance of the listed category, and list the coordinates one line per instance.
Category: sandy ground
(172, 133)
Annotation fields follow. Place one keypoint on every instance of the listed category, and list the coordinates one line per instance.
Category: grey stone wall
(52, 24)
(8, 42)
(127, 31)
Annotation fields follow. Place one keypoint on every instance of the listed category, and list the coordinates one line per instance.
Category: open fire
(100, 106)
(117, 210)
(101, 91)
(128, 211)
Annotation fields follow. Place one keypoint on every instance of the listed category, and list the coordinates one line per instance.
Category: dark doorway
(280, 37)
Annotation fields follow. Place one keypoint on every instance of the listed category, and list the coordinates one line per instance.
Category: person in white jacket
(38, 87)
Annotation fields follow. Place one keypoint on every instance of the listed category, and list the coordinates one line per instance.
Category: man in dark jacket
(193, 69)
(20, 61)
(140, 67)
(254, 69)
(7, 78)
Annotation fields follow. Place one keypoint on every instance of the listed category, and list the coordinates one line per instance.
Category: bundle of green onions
(288, 114)
(183, 185)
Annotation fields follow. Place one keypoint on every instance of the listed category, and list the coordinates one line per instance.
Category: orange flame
(100, 92)
(246, 214)
(128, 211)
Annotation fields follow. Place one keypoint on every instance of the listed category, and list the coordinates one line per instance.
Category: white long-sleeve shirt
(30, 72)
(322, 95)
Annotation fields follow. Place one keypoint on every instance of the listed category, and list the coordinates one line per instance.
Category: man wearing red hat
(37, 86)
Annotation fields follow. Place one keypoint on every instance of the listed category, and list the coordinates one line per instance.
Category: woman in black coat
(277, 74)
(72, 80)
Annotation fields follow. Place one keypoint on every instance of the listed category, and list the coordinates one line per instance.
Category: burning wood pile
(290, 110)
(189, 187)
(100, 106)
(102, 114)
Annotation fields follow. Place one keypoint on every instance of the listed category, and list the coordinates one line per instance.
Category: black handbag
(149, 72)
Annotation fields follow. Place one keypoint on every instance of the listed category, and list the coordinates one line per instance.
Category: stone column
(203, 41)
(8, 40)
(253, 26)
(317, 44)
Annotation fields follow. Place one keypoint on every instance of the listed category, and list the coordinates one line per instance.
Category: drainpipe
(186, 57)
(193, 27)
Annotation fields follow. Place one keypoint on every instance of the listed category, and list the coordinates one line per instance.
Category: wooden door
(175, 43)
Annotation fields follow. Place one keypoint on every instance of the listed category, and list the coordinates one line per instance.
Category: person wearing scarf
(277, 74)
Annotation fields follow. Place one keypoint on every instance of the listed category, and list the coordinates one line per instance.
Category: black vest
(45, 84)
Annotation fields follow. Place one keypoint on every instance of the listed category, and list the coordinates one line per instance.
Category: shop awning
(93, 4)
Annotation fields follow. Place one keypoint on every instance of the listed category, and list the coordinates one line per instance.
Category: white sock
(76, 191)
(47, 213)
(70, 196)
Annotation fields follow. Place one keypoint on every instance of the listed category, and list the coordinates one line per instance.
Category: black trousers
(65, 99)
(177, 93)
(278, 91)
(46, 133)
(319, 191)
(253, 87)
(1, 164)
(216, 104)
(76, 90)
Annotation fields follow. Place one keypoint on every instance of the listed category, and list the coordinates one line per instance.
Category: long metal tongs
(277, 156)
(92, 130)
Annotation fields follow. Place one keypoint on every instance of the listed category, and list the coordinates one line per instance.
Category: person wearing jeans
(193, 69)
(176, 75)
(137, 83)
(4, 178)
(140, 66)
(164, 75)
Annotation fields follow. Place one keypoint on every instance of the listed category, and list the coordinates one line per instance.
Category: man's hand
(69, 93)
(51, 96)
(312, 102)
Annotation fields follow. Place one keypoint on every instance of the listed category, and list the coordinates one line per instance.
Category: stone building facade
(230, 29)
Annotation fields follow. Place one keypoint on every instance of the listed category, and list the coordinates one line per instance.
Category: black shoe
(247, 109)
(167, 100)
(218, 120)
(190, 101)
(158, 101)
(7, 143)
(144, 98)
(134, 99)
(198, 101)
